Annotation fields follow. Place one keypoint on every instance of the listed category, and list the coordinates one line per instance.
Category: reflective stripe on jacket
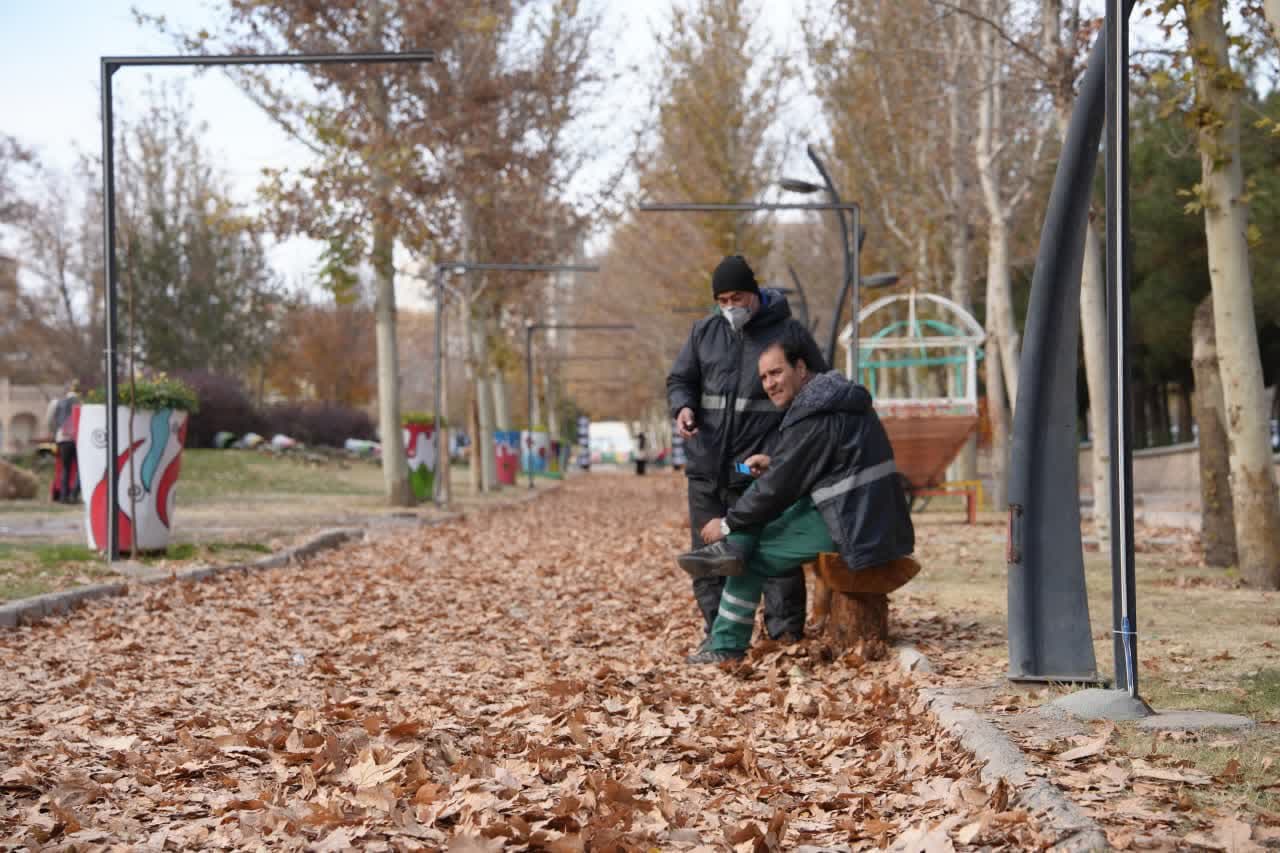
(832, 447)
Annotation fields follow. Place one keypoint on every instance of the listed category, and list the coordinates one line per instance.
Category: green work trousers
(778, 548)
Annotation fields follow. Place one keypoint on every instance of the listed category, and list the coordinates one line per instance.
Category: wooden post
(853, 607)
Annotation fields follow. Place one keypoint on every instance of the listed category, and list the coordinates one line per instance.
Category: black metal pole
(276, 58)
(1124, 600)
(850, 278)
(108, 69)
(804, 301)
(528, 377)
(739, 206)
(438, 491)
(108, 66)
(855, 304)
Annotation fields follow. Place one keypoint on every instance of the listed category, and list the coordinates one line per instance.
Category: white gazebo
(918, 355)
(923, 353)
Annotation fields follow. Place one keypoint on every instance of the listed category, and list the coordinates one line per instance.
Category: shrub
(318, 423)
(153, 394)
(421, 419)
(224, 406)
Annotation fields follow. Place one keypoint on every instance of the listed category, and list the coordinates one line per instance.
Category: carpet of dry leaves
(512, 680)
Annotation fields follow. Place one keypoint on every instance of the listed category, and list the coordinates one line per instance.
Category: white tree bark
(988, 143)
(1093, 330)
(1253, 483)
(484, 407)
(998, 413)
(1217, 525)
(1271, 10)
(501, 399)
(443, 462)
(395, 467)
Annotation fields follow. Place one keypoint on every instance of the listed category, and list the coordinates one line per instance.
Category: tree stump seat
(852, 608)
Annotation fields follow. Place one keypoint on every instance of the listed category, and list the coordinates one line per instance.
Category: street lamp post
(851, 252)
(841, 207)
(851, 280)
(109, 65)
(529, 328)
(463, 267)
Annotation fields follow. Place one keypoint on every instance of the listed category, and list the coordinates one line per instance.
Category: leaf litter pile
(513, 680)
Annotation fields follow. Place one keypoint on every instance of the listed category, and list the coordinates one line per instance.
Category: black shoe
(719, 558)
(714, 656)
(788, 638)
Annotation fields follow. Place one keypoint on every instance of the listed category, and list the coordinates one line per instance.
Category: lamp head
(880, 279)
(795, 185)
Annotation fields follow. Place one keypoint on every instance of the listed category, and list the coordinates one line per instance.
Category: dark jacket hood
(827, 392)
(774, 307)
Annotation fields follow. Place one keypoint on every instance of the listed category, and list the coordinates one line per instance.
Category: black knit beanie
(733, 273)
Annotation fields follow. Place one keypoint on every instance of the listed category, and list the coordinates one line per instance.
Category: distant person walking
(642, 453)
(724, 416)
(61, 417)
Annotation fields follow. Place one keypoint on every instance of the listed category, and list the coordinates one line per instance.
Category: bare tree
(1221, 195)
(1217, 528)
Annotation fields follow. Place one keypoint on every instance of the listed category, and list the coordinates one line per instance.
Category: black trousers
(66, 458)
(784, 597)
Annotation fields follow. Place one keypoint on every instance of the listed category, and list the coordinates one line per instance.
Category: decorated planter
(536, 452)
(506, 449)
(420, 448)
(146, 469)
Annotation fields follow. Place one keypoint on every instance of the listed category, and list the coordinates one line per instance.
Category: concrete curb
(27, 610)
(1075, 831)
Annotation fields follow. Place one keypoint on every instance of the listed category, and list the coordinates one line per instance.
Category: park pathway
(512, 680)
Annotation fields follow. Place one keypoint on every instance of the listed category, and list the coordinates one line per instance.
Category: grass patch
(1205, 642)
(213, 475)
(35, 569)
(1246, 777)
(27, 570)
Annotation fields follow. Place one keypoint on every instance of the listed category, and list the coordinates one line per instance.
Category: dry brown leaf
(1090, 749)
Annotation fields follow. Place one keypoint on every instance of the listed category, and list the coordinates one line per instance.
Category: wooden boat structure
(921, 366)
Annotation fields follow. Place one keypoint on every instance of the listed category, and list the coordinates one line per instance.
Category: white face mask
(736, 316)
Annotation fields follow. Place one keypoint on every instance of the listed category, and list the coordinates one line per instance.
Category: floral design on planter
(506, 448)
(154, 459)
(420, 448)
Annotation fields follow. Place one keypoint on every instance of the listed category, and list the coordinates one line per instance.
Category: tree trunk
(395, 467)
(1271, 10)
(1182, 420)
(553, 416)
(501, 399)
(999, 292)
(1256, 503)
(1217, 524)
(1093, 331)
(443, 462)
(484, 407)
(475, 468)
(998, 412)
(1140, 409)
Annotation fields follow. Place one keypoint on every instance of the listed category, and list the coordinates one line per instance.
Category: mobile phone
(742, 468)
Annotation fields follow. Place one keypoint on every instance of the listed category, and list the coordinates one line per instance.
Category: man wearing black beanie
(724, 416)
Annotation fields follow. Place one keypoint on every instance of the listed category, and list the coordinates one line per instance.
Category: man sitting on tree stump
(831, 485)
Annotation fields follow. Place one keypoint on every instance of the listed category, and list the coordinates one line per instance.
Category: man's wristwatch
(724, 527)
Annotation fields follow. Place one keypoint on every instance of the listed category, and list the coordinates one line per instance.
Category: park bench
(853, 607)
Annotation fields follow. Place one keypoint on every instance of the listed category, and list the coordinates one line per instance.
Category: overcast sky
(49, 52)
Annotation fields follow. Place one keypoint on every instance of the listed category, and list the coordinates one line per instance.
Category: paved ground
(513, 680)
